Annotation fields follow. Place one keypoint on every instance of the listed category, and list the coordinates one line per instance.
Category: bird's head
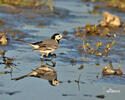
(56, 36)
(54, 82)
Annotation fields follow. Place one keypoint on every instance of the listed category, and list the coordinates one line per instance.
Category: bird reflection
(43, 72)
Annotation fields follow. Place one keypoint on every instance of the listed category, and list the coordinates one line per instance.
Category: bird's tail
(21, 77)
(33, 45)
(21, 41)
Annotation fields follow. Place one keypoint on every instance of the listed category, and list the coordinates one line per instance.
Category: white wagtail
(43, 72)
(46, 46)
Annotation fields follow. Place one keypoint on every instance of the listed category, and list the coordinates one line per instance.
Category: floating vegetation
(26, 3)
(107, 71)
(118, 5)
(3, 38)
(104, 28)
(110, 20)
(92, 30)
(111, 71)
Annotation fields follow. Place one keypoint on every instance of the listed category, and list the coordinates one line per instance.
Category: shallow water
(89, 86)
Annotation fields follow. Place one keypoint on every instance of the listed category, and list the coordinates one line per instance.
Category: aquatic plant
(92, 30)
(111, 71)
(3, 38)
(88, 49)
(119, 5)
(26, 3)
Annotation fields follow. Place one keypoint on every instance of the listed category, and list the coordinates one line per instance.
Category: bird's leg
(42, 54)
(47, 54)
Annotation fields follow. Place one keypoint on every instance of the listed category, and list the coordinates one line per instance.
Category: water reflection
(50, 61)
(8, 92)
(7, 62)
(43, 72)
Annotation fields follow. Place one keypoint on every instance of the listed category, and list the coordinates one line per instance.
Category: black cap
(53, 37)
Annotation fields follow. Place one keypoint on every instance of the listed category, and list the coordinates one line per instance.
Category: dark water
(89, 86)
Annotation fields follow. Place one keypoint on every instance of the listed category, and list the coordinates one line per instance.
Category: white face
(58, 37)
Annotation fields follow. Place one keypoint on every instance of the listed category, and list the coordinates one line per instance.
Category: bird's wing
(37, 43)
(46, 73)
(47, 45)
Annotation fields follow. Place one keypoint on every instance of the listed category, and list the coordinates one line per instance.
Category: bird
(43, 72)
(46, 46)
